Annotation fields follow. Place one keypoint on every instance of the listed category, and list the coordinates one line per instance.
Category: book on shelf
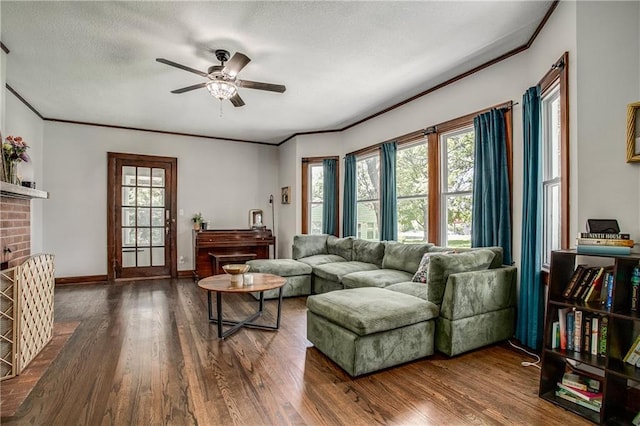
(604, 242)
(562, 321)
(594, 293)
(604, 250)
(561, 393)
(555, 335)
(608, 301)
(636, 420)
(635, 289)
(633, 354)
(580, 382)
(577, 331)
(603, 336)
(586, 333)
(595, 397)
(604, 236)
(574, 280)
(595, 333)
(571, 322)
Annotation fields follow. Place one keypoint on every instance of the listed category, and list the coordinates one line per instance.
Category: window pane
(144, 257)
(144, 218)
(551, 134)
(157, 177)
(317, 184)
(144, 176)
(316, 219)
(144, 197)
(157, 197)
(128, 258)
(368, 178)
(128, 175)
(368, 220)
(128, 237)
(157, 218)
(157, 256)
(458, 211)
(412, 220)
(128, 196)
(144, 237)
(128, 216)
(459, 161)
(411, 170)
(551, 218)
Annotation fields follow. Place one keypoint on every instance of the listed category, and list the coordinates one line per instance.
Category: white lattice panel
(36, 283)
(8, 323)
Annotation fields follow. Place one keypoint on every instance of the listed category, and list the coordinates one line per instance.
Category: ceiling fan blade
(182, 67)
(261, 86)
(189, 88)
(235, 64)
(236, 100)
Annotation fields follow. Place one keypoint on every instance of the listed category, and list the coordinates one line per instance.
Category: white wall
(21, 121)
(223, 180)
(288, 214)
(608, 70)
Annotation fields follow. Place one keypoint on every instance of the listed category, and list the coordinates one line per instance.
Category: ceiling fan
(223, 82)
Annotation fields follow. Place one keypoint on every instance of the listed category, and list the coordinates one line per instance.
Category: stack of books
(603, 243)
(591, 284)
(580, 390)
(580, 331)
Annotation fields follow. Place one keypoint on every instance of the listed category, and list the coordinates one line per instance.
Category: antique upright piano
(216, 247)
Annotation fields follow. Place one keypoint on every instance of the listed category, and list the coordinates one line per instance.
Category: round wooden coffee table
(222, 284)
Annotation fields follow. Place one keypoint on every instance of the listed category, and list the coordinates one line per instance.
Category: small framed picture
(286, 195)
(633, 132)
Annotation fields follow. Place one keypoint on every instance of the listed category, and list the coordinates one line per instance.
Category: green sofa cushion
(443, 265)
(282, 267)
(335, 271)
(321, 259)
(495, 263)
(375, 278)
(309, 245)
(368, 251)
(342, 247)
(410, 288)
(370, 310)
(404, 257)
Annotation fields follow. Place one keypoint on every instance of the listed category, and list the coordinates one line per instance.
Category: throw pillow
(422, 274)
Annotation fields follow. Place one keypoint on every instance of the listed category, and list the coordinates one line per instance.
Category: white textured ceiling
(340, 61)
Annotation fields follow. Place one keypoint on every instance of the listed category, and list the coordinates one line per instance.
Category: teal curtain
(388, 199)
(531, 299)
(329, 198)
(350, 207)
(491, 209)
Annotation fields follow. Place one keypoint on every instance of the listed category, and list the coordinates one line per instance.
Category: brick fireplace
(15, 223)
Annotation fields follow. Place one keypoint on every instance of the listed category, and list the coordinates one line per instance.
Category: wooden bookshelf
(616, 376)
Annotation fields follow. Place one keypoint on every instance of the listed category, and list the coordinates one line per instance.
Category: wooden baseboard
(185, 274)
(92, 279)
(86, 279)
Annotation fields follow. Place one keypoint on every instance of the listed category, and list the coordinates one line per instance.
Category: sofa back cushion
(368, 251)
(309, 245)
(342, 247)
(443, 265)
(404, 257)
(495, 263)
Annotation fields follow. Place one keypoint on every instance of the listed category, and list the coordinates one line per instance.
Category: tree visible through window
(316, 187)
(457, 186)
(368, 196)
(412, 189)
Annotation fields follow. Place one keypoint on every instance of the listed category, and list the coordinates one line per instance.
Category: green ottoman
(369, 328)
(297, 275)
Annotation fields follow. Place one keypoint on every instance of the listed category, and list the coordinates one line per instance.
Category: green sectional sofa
(468, 299)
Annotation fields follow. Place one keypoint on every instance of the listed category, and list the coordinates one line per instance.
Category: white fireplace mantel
(16, 191)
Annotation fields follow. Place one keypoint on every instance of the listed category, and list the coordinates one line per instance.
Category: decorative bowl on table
(236, 271)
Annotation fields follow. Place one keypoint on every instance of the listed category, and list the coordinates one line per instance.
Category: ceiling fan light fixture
(222, 89)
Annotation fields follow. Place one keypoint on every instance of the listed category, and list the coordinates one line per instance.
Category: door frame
(172, 185)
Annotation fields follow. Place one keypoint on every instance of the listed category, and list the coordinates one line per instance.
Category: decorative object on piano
(197, 221)
(237, 273)
(286, 194)
(255, 219)
(14, 151)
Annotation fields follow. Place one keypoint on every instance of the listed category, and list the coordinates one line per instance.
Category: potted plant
(197, 221)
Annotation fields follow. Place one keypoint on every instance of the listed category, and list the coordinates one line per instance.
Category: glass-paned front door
(144, 223)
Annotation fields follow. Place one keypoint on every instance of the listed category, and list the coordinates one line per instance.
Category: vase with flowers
(14, 151)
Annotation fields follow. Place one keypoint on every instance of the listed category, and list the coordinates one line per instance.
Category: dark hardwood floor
(144, 354)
